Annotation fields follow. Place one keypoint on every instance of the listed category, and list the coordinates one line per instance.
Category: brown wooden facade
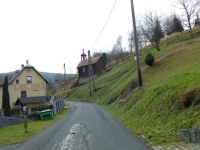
(98, 66)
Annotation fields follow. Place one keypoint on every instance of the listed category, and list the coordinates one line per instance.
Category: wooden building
(98, 66)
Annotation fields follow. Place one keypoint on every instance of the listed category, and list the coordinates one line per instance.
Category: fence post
(29, 110)
(54, 107)
(2, 112)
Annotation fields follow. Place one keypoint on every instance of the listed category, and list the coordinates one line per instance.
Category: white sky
(50, 33)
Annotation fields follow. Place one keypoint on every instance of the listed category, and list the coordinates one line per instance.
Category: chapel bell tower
(83, 56)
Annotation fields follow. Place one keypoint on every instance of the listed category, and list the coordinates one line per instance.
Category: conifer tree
(5, 95)
(177, 25)
(104, 56)
(157, 34)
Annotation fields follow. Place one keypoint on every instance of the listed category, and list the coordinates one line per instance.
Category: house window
(28, 79)
(23, 93)
(28, 71)
(83, 69)
(17, 81)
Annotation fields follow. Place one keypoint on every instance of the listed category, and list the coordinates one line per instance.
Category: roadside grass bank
(15, 134)
(169, 99)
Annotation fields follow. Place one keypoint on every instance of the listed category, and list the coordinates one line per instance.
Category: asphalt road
(85, 127)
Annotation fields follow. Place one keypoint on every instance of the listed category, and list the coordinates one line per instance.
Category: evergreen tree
(197, 20)
(149, 60)
(177, 25)
(104, 56)
(5, 95)
(157, 34)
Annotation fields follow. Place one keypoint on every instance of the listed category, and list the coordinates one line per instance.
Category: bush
(149, 60)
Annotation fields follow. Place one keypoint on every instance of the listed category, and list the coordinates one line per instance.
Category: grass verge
(169, 99)
(15, 134)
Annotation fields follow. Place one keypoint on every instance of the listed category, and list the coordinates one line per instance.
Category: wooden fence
(17, 112)
(57, 105)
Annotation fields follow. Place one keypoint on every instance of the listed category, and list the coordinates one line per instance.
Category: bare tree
(197, 20)
(115, 53)
(117, 50)
(123, 54)
(131, 42)
(189, 10)
(142, 40)
(152, 28)
(109, 59)
(96, 54)
(168, 25)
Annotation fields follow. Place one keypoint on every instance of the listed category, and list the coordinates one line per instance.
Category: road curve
(85, 127)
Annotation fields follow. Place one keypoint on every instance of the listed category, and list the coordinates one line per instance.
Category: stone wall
(191, 134)
(84, 80)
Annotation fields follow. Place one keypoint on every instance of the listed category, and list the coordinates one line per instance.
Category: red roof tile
(85, 63)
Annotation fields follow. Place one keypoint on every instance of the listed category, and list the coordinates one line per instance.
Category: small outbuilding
(37, 101)
(98, 66)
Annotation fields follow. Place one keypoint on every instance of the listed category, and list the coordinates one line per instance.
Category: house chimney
(22, 66)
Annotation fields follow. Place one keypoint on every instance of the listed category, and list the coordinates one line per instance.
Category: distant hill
(51, 77)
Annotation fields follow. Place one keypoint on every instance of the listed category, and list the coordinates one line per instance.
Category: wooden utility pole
(91, 70)
(89, 74)
(59, 81)
(136, 44)
(64, 75)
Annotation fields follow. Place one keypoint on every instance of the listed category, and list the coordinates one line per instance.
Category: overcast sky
(50, 33)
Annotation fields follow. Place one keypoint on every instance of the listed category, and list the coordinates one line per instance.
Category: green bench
(47, 113)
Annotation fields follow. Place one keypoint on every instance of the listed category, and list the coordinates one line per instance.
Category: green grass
(169, 99)
(16, 134)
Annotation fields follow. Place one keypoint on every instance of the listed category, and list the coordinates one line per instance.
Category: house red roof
(85, 63)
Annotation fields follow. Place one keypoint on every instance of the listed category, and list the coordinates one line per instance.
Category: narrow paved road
(85, 127)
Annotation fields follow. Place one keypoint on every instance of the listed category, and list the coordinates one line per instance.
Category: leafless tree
(96, 54)
(115, 53)
(123, 54)
(168, 25)
(197, 20)
(152, 26)
(131, 42)
(109, 59)
(142, 40)
(189, 10)
(117, 50)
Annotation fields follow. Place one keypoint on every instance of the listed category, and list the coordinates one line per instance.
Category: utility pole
(89, 74)
(136, 44)
(59, 81)
(91, 70)
(64, 75)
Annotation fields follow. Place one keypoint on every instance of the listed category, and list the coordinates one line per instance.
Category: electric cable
(104, 25)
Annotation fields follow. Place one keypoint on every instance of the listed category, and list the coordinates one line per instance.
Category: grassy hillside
(169, 99)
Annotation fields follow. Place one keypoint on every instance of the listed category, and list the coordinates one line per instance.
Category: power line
(104, 25)
(74, 64)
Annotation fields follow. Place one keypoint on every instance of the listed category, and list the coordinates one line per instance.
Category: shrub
(149, 60)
